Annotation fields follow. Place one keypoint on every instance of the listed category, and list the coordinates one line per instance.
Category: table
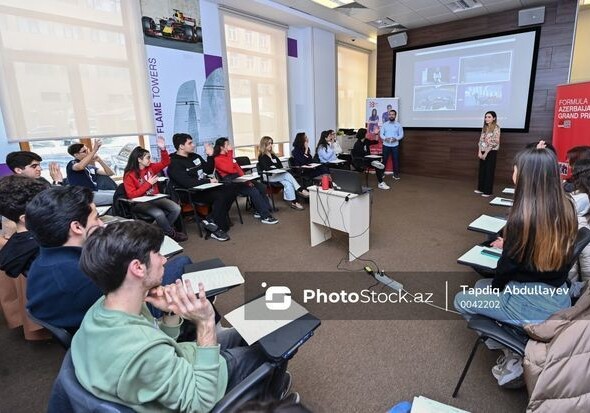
(342, 211)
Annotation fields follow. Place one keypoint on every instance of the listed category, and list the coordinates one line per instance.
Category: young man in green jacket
(122, 354)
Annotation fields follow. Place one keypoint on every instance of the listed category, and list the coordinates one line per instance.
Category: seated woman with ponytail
(530, 280)
(141, 178)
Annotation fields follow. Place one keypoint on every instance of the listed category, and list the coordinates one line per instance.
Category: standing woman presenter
(487, 150)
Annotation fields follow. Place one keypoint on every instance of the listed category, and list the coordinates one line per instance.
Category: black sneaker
(396, 176)
(269, 220)
(220, 235)
(257, 215)
(288, 381)
(209, 225)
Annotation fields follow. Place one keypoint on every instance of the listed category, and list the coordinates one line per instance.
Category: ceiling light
(332, 4)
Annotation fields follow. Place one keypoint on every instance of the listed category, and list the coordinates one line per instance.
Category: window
(257, 69)
(353, 85)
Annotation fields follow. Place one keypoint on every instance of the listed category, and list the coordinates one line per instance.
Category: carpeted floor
(348, 365)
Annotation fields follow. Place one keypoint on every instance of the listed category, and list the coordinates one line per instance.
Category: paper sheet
(501, 202)
(254, 320)
(488, 224)
(102, 210)
(148, 198)
(422, 404)
(337, 161)
(476, 257)
(207, 186)
(275, 171)
(215, 278)
(311, 165)
(508, 191)
(246, 178)
(169, 246)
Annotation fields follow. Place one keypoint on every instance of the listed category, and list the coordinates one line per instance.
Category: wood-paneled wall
(452, 154)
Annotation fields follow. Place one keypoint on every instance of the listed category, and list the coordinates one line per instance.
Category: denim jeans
(290, 185)
(393, 152)
(517, 309)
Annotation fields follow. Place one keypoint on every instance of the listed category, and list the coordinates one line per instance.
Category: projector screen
(452, 85)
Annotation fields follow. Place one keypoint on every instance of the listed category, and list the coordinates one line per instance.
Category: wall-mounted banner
(571, 124)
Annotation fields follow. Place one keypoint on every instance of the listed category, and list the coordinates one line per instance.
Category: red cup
(325, 182)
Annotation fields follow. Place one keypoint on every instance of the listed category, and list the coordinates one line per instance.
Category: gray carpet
(348, 365)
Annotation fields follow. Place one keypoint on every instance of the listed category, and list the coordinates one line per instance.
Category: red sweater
(136, 186)
(226, 164)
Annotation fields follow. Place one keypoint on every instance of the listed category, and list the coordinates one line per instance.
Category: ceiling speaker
(528, 17)
(397, 40)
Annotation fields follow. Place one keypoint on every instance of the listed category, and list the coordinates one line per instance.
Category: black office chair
(271, 187)
(219, 179)
(508, 335)
(68, 396)
(122, 207)
(63, 336)
(189, 204)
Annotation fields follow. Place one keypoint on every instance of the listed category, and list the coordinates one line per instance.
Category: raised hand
(161, 143)
(153, 179)
(97, 145)
(55, 172)
(209, 149)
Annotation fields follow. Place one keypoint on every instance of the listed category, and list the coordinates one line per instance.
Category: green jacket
(131, 360)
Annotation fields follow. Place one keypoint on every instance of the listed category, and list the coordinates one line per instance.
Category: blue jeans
(517, 309)
(290, 185)
(392, 151)
(173, 271)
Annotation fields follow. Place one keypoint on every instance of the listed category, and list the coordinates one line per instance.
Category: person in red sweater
(228, 169)
(141, 178)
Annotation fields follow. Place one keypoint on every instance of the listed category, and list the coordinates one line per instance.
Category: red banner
(571, 124)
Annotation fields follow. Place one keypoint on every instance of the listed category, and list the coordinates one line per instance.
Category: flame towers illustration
(187, 113)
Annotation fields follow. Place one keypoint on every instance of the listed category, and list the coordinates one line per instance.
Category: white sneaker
(383, 185)
(477, 191)
(377, 164)
(509, 374)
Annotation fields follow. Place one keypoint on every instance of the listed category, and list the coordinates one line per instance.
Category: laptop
(348, 181)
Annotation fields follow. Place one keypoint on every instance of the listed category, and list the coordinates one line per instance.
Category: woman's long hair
(262, 147)
(581, 176)
(492, 125)
(323, 142)
(299, 141)
(361, 134)
(219, 143)
(133, 162)
(542, 226)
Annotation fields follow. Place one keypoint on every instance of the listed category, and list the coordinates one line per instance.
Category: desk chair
(219, 179)
(62, 335)
(122, 207)
(68, 396)
(189, 205)
(509, 335)
(271, 187)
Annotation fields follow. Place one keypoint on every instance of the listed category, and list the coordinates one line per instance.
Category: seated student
(21, 249)
(537, 248)
(268, 160)
(228, 169)
(58, 292)
(141, 178)
(360, 150)
(302, 156)
(581, 181)
(28, 163)
(324, 149)
(574, 155)
(334, 142)
(187, 169)
(121, 354)
(82, 172)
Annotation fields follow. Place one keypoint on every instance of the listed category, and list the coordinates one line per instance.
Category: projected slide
(453, 85)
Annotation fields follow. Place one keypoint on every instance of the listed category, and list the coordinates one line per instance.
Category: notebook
(254, 320)
(246, 178)
(509, 191)
(485, 257)
(215, 278)
(487, 224)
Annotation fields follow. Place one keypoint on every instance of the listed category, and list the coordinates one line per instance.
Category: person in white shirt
(392, 133)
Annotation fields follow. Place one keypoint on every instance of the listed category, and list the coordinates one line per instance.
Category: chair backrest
(243, 160)
(68, 396)
(119, 208)
(61, 334)
(582, 240)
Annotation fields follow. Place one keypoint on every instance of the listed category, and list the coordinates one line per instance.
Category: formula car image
(178, 27)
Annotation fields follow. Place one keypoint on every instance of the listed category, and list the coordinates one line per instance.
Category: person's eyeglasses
(34, 166)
